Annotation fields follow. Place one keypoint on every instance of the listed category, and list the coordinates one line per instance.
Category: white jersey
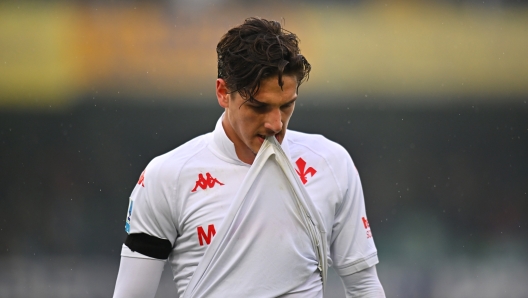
(184, 195)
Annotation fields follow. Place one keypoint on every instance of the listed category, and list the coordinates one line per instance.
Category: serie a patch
(129, 215)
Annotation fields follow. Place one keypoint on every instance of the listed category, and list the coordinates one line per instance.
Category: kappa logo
(142, 179)
(203, 183)
(202, 237)
(302, 172)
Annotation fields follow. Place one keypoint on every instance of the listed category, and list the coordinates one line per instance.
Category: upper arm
(352, 247)
(151, 221)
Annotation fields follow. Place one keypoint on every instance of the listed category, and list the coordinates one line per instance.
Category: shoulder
(167, 167)
(318, 144)
(327, 157)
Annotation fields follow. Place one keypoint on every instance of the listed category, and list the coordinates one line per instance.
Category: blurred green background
(429, 97)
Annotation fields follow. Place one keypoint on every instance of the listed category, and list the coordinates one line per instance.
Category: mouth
(261, 138)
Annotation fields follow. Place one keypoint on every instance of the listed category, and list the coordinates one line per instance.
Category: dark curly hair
(256, 50)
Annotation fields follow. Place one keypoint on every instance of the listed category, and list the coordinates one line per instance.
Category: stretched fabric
(272, 238)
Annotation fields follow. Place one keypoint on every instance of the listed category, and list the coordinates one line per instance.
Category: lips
(262, 138)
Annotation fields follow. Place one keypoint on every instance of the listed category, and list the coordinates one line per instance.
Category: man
(184, 196)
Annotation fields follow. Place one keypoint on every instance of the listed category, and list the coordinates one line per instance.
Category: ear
(222, 93)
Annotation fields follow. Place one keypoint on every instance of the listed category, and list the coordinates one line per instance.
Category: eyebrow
(291, 101)
(255, 101)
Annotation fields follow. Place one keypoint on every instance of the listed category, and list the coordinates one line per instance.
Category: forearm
(363, 284)
(138, 277)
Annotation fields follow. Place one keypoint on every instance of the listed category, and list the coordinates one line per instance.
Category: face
(247, 123)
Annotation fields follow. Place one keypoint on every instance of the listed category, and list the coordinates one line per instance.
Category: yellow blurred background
(53, 54)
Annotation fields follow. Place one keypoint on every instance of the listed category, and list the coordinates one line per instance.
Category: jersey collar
(222, 146)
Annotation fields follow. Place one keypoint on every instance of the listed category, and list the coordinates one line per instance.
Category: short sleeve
(352, 247)
(149, 210)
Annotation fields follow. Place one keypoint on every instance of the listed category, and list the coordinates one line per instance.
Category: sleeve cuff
(358, 265)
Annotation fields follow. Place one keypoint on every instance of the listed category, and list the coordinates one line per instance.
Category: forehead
(270, 92)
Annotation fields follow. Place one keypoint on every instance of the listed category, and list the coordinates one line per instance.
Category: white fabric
(166, 207)
(363, 284)
(261, 249)
(138, 277)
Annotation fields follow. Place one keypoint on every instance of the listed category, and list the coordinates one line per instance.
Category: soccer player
(182, 198)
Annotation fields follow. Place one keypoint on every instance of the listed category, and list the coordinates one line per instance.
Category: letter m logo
(202, 236)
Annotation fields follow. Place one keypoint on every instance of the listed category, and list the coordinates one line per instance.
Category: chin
(255, 151)
(254, 147)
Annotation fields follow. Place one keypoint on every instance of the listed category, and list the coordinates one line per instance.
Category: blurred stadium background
(429, 97)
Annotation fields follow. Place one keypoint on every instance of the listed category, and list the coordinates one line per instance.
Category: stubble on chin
(253, 151)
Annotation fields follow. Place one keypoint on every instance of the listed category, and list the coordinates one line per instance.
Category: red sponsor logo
(203, 237)
(365, 223)
(203, 183)
(369, 234)
(367, 227)
(302, 171)
(142, 179)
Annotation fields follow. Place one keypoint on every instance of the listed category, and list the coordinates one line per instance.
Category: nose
(274, 122)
